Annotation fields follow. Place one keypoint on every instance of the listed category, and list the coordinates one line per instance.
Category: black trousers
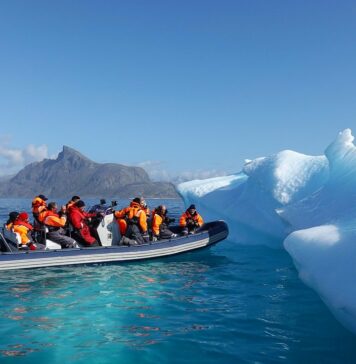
(133, 232)
(63, 240)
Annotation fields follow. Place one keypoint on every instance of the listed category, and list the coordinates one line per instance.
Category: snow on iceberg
(309, 202)
(250, 200)
(337, 199)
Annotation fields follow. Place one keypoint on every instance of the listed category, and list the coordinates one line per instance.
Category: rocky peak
(71, 154)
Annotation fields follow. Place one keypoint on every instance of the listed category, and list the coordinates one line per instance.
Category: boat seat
(41, 232)
(12, 237)
(50, 245)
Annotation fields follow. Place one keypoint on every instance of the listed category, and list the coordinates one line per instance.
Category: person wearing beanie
(10, 221)
(78, 217)
(80, 203)
(137, 200)
(190, 221)
(72, 201)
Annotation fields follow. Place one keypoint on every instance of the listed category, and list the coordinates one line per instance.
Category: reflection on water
(225, 304)
(248, 308)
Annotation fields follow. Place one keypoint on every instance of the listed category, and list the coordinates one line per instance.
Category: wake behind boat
(10, 258)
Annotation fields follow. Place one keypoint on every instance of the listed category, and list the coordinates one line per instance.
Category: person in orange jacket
(190, 221)
(120, 217)
(55, 224)
(160, 222)
(136, 220)
(38, 205)
(145, 207)
(123, 215)
(23, 227)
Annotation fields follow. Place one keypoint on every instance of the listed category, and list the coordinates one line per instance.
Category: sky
(189, 88)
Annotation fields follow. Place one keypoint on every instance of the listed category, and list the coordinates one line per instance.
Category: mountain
(74, 174)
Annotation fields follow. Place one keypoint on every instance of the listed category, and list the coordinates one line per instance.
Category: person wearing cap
(55, 223)
(23, 227)
(78, 217)
(38, 205)
(160, 222)
(190, 221)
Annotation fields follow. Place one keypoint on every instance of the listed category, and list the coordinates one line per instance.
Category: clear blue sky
(193, 84)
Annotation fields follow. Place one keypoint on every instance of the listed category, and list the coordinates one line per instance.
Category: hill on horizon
(74, 174)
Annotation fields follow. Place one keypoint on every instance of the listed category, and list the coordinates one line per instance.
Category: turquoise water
(224, 304)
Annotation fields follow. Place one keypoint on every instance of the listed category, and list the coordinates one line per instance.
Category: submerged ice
(306, 204)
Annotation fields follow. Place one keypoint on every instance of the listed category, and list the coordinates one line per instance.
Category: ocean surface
(224, 304)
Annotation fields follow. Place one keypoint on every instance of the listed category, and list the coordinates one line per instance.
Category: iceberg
(306, 204)
(325, 258)
(251, 200)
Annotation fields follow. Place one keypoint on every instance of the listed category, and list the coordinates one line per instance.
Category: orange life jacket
(187, 216)
(51, 219)
(157, 221)
(22, 227)
(135, 215)
(38, 205)
(120, 218)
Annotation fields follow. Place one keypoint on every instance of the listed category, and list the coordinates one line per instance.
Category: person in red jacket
(72, 201)
(78, 218)
(190, 220)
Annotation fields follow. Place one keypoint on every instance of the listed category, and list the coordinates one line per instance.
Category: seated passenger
(78, 218)
(148, 215)
(55, 223)
(10, 221)
(72, 201)
(190, 221)
(38, 205)
(120, 217)
(160, 222)
(145, 207)
(23, 227)
(136, 219)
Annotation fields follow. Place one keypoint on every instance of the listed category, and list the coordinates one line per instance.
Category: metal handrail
(5, 241)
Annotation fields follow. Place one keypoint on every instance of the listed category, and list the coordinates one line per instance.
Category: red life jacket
(23, 223)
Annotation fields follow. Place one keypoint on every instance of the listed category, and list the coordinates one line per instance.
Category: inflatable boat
(109, 251)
